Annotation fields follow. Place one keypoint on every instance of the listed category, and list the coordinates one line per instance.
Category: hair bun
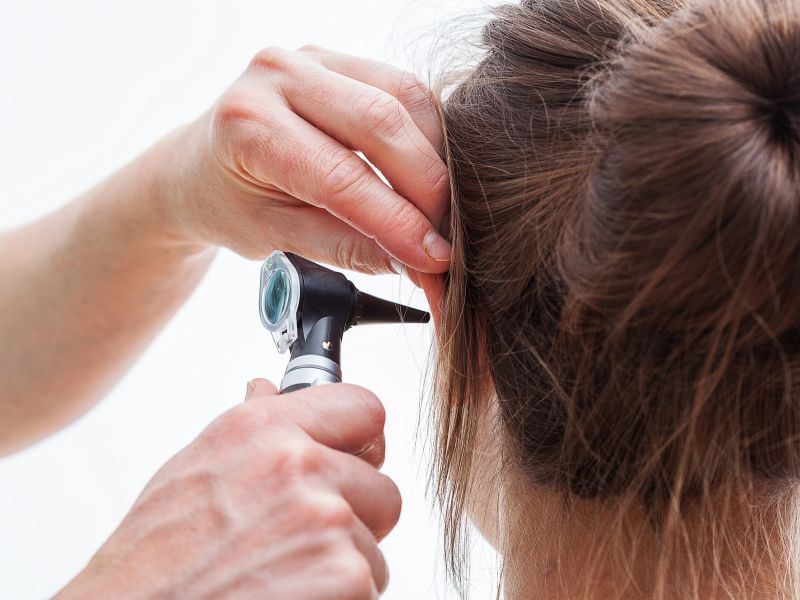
(693, 214)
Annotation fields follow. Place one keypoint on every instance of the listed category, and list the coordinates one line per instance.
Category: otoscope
(307, 308)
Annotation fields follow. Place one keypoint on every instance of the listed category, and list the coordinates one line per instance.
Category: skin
(280, 497)
(270, 166)
(552, 553)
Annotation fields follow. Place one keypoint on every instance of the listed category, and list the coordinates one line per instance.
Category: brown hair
(626, 234)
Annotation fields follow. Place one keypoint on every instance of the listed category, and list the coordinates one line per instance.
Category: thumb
(258, 388)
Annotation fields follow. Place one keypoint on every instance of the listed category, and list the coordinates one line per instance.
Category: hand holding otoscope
(314, 458)
(281, 496)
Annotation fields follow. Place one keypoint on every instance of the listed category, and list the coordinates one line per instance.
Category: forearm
(271, 165)
(83, 291)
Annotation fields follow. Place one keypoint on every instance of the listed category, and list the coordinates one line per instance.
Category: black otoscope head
(307, 308)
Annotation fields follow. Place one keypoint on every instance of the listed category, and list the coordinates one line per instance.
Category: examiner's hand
(280, 497)
(272, 165)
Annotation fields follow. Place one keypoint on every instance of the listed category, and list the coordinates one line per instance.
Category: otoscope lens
(276, 296)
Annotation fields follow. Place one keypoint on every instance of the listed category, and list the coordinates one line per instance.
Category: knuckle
(412, 92)
(402, 215)
(370, 405)
(345, 253)
(342, 174)
(382, 114)
(273, 58)
(310, 49)
(295, 459)
(438, 177)
(329, 512)
(357, 254)
(374, 452)
(240, 130)
(235, 106)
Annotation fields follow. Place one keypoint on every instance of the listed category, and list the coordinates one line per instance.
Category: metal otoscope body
(307, 308)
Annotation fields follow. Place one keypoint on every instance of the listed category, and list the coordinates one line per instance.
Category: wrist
(174, 191)
(188, 188)
(135, 212)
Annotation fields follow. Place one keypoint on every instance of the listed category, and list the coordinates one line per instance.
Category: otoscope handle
(315, 358)
(307, 370)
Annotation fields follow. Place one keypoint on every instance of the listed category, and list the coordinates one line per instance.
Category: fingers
(319, 170)
(290, 128)
(344, 417)
(366, 118)
(373, 496)
(316, 432)
(345, 420)
(365, 543)
(262, 387)
(335, 242)
(406, 87)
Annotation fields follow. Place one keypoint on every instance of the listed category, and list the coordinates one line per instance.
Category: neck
(593, 550)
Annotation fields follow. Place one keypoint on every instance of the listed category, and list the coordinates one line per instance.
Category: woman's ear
(433, 287)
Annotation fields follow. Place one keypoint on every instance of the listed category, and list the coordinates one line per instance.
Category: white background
(86, 85)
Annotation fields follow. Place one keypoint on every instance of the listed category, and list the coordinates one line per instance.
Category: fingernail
(251, 387)
(436, 247)
(396, 265)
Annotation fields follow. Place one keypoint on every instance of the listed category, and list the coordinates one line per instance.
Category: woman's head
(626, 233)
